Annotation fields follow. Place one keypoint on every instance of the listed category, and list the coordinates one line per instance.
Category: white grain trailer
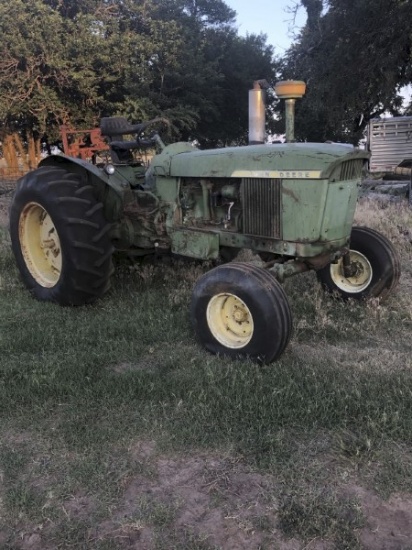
(390, 144)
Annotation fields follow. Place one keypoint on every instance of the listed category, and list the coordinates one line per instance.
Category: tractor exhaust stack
(257, 99)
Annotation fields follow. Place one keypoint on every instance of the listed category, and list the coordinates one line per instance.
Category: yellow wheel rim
(229, 320)
(357, 282)
(40, 245)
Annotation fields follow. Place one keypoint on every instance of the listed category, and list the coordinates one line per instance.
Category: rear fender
(107, 188)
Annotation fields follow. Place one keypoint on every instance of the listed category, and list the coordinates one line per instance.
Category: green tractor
(290, 203)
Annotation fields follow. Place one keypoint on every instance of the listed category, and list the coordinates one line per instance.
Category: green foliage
(72, 62)
(30, 71)
(355, 56)
(241, 61)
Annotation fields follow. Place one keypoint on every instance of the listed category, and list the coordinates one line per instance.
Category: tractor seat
(114, 128)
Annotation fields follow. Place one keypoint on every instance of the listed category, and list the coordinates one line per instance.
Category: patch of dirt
(215, 500)
(227, 505)
(79, 507)
(388, 523)
(142, 450)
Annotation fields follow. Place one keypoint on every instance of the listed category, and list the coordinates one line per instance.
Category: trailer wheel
(240, 310)
(376, 263)
(60, 238)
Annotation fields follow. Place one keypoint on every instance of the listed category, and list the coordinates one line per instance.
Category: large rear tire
(240, 310)
(60, 237)
(377, 268)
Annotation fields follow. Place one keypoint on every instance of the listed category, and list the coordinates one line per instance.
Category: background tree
(52, 67)
(241, 61)
(31, 68)
(71, 62)
(355, 56)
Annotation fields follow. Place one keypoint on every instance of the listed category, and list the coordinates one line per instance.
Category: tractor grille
(350, 170)
(261, 205)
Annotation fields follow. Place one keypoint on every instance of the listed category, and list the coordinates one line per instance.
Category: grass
(96, 401)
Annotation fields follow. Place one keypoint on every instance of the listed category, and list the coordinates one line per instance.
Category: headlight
(109, 169)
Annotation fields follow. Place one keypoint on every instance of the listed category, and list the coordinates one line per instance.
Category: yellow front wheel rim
(40, 245)
(230, 320)
(361, 278)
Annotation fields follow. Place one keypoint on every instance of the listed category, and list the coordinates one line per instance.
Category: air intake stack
(290, 91)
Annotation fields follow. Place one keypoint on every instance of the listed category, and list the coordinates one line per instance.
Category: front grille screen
(261, 206)
(350, 170)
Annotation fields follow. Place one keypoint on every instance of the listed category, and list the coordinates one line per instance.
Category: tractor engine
(211, 204)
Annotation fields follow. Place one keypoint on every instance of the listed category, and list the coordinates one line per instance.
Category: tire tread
(84, 234)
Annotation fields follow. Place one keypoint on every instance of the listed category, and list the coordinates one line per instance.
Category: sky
(271, 18)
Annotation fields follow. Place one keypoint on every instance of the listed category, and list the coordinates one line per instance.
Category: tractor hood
(286, 160)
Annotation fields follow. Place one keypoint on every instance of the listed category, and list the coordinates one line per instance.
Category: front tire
(60, 237)
(240, 310)
(376, 268)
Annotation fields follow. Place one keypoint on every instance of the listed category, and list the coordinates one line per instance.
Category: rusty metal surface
(195, 244)
(82, 144)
